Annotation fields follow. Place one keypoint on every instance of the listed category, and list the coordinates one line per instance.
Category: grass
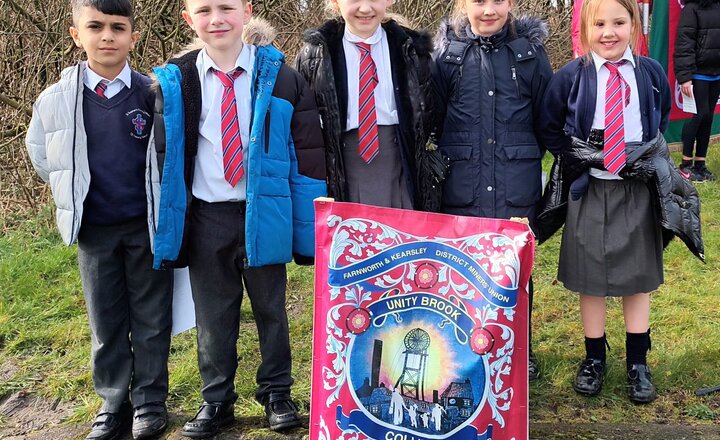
(685, 320)
(44, 333)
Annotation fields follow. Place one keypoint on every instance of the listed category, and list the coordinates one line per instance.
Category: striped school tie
(230, 128)
(617, 97)
(368, 142)
(101, 88)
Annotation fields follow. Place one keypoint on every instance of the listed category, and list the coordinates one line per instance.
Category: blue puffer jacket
(488, 94)
(286, 165)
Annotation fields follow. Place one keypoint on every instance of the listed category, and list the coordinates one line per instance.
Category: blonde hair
(587, 18)
(458, 14)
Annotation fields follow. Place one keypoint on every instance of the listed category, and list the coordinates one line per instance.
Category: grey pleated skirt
(383, 181)
(612, 241)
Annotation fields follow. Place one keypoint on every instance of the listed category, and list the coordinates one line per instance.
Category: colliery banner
(420, 325)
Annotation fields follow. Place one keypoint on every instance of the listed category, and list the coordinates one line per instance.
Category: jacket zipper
(267, 131)
(514, 78)
(74, 236)
(457, 87)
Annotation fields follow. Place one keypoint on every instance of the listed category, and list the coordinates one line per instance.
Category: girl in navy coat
(612, 242)
(489, 75)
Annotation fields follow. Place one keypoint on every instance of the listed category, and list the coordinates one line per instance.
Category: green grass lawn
(44, 333)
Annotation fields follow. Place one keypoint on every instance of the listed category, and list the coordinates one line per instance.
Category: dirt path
(30, 417)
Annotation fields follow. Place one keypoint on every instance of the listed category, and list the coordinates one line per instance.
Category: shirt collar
(600, 61)
(373, 39)
(244, 60)
(91, 78)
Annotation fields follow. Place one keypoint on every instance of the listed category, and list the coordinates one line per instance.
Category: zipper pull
(514, 76)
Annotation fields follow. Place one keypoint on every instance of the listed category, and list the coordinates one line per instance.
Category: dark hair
(122, 8)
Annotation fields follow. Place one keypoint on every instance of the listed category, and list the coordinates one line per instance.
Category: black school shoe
(589, 378)
(210, 419)
(111, 425)
(149, 420)
(281, 412)
(640, 386)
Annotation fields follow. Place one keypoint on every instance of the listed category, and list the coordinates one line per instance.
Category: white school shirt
(209, 182)
(124, 79)
(631, 114)
(385, 107)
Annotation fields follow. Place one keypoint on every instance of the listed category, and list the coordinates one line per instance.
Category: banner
(666, 15)
(420, 325)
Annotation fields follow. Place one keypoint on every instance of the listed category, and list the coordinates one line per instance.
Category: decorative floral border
(499, 360)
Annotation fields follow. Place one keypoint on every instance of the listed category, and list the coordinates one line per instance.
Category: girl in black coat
(330, 61)
(489, 76)
(697, 68)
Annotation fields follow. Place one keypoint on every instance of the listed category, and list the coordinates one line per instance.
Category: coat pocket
(459, 185)
(523, 174)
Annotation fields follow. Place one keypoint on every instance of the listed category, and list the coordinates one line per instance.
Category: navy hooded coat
(488, 93)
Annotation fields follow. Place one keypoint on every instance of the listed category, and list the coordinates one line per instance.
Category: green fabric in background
(659, 33)
(660, 50)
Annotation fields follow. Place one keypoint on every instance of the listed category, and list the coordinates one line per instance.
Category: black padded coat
(321, 61)
(697, 44)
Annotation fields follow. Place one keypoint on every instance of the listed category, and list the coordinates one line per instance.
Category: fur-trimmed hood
(333, 30)
(532, 28)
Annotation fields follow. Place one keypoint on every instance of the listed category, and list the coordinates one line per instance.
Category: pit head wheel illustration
(412, 379)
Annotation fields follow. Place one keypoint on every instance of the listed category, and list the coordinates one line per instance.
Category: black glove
(303, 260)
(583, 155)
(639, 170)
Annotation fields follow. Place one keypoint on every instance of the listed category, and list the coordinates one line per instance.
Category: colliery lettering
(363, 270)
(442, 306)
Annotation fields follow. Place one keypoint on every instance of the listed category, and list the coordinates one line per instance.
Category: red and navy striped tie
(101, 88)
(617, 97)
(368, 142)
(230, 128)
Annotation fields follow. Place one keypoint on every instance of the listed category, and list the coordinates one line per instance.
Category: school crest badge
(139, 122)
(420, 325)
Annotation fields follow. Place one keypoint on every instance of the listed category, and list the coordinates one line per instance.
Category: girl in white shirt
(612, 244)
(370, 76)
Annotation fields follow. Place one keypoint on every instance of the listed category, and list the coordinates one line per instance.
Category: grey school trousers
(129, 307)
(216, 250)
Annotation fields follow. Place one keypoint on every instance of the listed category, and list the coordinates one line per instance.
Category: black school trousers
(218, 277)
(129, 308)
(696, 131)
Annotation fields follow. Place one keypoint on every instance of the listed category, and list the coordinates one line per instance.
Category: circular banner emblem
(358, 321)
(426, 276)
(481, 341)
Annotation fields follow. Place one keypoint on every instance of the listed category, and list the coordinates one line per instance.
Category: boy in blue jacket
(239, 158)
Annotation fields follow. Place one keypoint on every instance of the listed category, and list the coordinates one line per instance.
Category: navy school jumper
(570, 102)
